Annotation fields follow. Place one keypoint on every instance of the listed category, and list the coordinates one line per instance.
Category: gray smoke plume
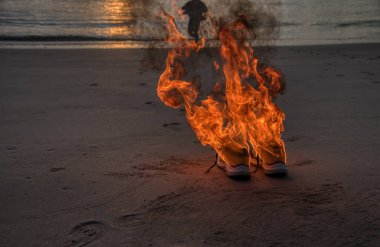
(260, 18)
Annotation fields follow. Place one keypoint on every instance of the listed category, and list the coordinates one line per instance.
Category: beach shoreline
(158, 44)
(89, 155)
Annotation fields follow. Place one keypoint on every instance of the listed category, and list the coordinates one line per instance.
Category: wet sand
(90, 156)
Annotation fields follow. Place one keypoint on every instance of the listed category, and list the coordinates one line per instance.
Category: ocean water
(301, 22)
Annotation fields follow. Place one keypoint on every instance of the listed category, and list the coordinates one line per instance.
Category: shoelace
(212, 166)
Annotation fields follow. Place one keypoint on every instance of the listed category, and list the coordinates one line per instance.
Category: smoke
(144, 18)
(260, 18)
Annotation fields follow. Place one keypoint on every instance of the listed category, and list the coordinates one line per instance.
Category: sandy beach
(89, 155)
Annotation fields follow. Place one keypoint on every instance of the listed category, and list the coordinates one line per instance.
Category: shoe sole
(275, 169)
(236, 171)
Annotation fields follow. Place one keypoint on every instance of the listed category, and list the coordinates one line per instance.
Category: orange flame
(245, 116)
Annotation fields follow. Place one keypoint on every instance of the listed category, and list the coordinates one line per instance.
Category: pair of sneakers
(242, 170)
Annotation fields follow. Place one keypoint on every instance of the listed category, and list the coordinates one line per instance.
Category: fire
(242, 118)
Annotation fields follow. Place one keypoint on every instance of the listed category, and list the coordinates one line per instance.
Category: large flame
(244, 117)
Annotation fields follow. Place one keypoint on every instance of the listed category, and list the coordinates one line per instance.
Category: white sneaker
(240, 170)
(274, 169)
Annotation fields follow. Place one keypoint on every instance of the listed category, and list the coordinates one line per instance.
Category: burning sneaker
(278, 168)
(239, 170)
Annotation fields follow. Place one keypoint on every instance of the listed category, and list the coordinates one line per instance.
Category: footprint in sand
(85, 233)
(173, 126)
(319, 200)
(367, 73)
(304, 163)
(57, 169)
(10, 148)
(293, 138)
(130, 221)
(161, 209)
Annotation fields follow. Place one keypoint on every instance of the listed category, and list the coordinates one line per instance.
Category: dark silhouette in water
(196, 11)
